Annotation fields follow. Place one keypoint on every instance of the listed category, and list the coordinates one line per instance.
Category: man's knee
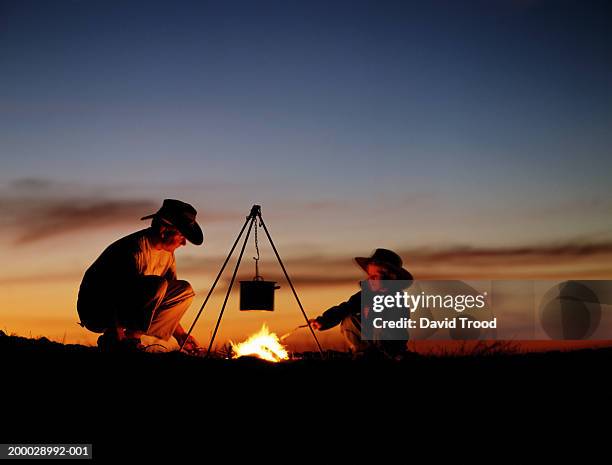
(179, 292)
(184, 286)
(351, 330)
(351, 324)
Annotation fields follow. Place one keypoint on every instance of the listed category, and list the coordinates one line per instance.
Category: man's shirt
(129, 258)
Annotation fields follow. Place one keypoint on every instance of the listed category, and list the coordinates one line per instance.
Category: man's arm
(334, 315)
(180, 335)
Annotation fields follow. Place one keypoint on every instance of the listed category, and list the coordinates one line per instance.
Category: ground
(147, 404)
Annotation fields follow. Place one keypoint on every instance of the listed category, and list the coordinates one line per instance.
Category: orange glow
(38, 291)
(263, 344)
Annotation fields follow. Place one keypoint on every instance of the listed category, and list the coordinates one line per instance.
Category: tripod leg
(216, 281)
(291, 285)
(229, 289)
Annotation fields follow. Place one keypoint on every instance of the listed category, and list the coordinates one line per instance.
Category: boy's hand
(314, 324)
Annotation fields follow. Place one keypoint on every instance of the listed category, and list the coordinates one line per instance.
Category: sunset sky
(473, 137)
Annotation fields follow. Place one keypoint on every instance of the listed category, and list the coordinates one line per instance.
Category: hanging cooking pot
(257, 294)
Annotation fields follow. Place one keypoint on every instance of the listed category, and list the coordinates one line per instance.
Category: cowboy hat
(182, 216)
(389, 260)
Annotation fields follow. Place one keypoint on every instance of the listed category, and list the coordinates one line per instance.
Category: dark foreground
(148, 405)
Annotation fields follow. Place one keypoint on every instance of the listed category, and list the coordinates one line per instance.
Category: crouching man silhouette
(132, 288)
(383, 265)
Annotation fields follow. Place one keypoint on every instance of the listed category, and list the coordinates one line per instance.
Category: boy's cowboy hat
(182, 216)
(389, 260)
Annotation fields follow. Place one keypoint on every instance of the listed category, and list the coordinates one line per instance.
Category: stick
(285, 336)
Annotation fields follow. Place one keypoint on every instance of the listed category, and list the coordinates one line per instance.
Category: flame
(263, 344)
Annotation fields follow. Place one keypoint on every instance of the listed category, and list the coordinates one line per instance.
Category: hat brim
(401, 273)
(192, 231)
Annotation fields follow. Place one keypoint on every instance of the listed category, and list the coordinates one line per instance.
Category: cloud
(36, 209)
(562, 261)
(573, 260)
(589, 205)
(30, 184)
(48, 219)
(301, 280)
(567, 250)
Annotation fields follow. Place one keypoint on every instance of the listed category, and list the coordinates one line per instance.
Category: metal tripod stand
(254, 215)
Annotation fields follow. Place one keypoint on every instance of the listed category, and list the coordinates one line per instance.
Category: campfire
(263, 344)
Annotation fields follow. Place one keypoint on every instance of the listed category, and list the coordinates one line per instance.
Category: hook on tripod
(257, 277)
